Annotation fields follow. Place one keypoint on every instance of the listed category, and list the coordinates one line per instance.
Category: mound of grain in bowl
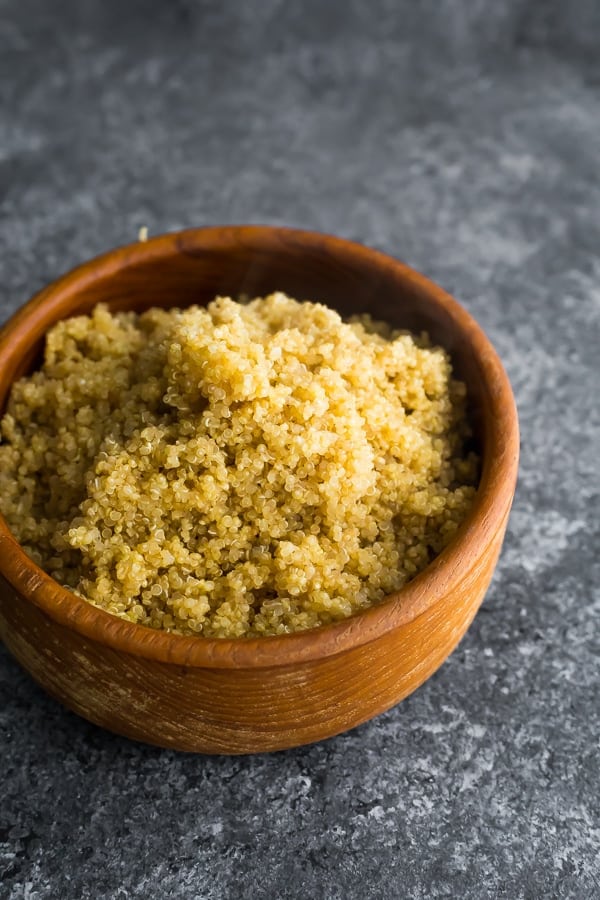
(246, 469)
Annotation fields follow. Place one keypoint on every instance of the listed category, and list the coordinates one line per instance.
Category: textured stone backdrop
(464, 137)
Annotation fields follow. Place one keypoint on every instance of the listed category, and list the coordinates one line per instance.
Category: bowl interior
(191, 267)
(194, 267)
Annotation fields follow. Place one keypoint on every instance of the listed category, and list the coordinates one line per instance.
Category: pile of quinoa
(243, 469)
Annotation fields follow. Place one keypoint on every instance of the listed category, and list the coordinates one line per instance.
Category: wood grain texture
(257, 694)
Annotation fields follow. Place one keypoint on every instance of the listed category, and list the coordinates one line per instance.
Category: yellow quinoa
(246, 469)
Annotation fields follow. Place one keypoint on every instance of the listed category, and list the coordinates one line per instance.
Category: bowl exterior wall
(230, 710)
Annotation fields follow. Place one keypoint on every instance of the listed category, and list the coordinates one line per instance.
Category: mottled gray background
(464, 137)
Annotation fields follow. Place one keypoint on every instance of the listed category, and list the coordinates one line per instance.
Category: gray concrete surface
(463, 137)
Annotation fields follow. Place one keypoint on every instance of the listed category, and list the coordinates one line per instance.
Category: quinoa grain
(245, 469)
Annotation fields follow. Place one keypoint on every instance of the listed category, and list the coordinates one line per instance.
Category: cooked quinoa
(245, 469)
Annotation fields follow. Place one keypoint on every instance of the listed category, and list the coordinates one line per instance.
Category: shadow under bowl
(259, 694)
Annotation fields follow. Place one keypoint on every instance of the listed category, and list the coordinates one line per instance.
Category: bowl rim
(487, 515)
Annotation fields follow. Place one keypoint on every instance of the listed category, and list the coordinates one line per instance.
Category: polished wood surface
(249, 695)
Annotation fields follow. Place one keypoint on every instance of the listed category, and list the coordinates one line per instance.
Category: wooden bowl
(268, 693)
